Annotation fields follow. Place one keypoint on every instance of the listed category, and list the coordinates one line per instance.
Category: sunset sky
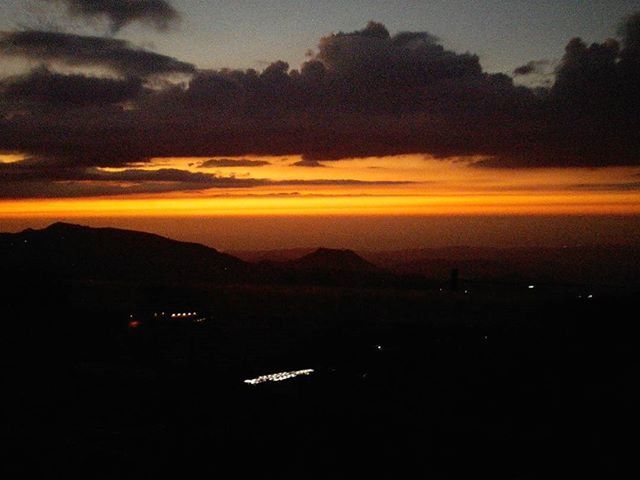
(360, 124)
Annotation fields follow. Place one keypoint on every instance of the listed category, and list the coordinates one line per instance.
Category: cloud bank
(40, 178)
(230, 162)
(118, 56)
(363, 93)
(119, 13)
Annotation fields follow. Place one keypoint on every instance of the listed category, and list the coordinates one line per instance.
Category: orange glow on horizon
(398, 186)
(474, 204)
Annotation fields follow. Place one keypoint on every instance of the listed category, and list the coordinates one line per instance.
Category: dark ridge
(69, 251)
(334, 260)
(277, 255)
(63, 228)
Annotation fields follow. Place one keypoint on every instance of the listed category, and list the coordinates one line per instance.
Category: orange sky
(443, 202)
(434, 187)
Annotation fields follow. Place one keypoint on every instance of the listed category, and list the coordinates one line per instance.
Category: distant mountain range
(68, 251)
(73, 252)
(604, 265)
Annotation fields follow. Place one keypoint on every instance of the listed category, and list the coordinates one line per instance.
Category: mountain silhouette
(70, 251)
(333, 260)
(277, 255)
(325, 266)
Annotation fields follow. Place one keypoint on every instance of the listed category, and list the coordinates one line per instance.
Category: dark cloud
(34, 169)
(588, 72)
(231, 162)
(532, 67)
(119, 13)
(364, 93)
(45, 87)
(527, 69)
(629, 186)
(75, 50)
(39, 177)
(629, 31)
(590, 116)
(308, 163)
(346, 181)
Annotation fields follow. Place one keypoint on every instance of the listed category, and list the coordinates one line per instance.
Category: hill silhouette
(326, 266)
(64, 251)
(278, 255)
(334, 260)
(70, 251)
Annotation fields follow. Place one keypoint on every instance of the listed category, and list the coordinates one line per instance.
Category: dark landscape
(127, 354)
(337, 239)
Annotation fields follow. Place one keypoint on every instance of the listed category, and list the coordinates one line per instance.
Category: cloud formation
(119, 13)
(231, 162)
(40, 178)
(364, 93)
(44, 87)
(592, 109)
(532, 67)
(118, 56)
(308, 163)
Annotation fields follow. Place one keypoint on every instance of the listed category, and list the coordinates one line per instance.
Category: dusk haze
(288, 234)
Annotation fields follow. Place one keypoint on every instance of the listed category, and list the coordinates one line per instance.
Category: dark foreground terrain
(404, 383)
(408, 382)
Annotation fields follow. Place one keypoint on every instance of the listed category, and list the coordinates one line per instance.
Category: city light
(278, 377)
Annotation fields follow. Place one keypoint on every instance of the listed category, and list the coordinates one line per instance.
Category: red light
(134, 324)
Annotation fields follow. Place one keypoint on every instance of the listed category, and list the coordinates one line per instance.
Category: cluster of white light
(186, 314)
(278, 377)
(176, 315)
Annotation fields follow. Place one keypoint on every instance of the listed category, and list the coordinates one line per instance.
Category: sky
(390, 119)
(248, 34)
